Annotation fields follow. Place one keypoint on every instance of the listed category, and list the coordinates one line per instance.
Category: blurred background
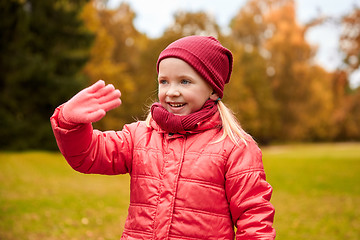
(295, 88)
(283, 88)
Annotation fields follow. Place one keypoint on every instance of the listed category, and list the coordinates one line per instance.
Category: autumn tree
(114, 58)
(350, 39)
(347, 113)
(250, 93)
(43, 46)
(291, 90)
(193, 23)
(302, 89)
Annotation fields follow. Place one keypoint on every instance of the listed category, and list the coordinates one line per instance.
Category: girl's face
(181, 89)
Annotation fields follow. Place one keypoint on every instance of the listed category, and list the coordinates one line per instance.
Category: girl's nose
(173, 91)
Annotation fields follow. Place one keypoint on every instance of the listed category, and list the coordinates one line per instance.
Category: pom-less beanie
(206, 55)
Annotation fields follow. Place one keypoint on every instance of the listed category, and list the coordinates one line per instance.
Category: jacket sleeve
(92, 151)
(249, 194)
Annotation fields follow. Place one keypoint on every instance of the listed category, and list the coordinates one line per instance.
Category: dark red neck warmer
(174, 123)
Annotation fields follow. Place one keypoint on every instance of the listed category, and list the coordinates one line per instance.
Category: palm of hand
(92, 103)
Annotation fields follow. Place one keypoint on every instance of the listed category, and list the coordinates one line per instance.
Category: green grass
(316, 190)
(316, 195)
(41, 197)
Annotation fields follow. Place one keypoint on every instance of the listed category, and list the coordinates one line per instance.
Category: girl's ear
(214, 96)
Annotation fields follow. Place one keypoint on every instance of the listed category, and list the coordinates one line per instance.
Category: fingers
(102, 97)
(115, 94)
(109, 105)
(96, 86)
(95, 116)
(108, 97)
(106, 90)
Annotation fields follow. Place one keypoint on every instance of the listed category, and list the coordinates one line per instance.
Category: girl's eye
(162, 81)
(184, 81)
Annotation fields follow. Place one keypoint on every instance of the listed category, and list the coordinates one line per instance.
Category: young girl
(195, 174)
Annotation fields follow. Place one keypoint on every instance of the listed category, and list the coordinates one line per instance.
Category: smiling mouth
(177, 105)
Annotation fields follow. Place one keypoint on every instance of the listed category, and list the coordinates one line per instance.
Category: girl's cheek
(161, 93)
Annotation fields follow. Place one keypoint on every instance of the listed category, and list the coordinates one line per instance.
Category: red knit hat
(206, 55)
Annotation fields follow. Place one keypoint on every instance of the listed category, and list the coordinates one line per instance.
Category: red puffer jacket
(183, 186)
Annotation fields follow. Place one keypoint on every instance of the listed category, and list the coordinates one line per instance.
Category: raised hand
(92, 103)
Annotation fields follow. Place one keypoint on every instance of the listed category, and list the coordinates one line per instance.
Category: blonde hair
(230, 126)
